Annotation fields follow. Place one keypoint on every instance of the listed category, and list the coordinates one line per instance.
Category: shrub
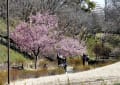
(101, 50)
(113, 39)
(116, 52)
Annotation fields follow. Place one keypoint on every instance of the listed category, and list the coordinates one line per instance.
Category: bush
(113, 40)
(91, 42)
(101, 50)
(116, 52)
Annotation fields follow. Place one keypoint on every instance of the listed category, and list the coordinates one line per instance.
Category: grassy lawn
(14, 56)
(2, 26)
(12, 24)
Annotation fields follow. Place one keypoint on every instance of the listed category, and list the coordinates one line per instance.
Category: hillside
(14, 56)
(2, 26)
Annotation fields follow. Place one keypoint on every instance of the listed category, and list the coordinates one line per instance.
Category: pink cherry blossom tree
(70, 47)
(33, 37)
(39, 36)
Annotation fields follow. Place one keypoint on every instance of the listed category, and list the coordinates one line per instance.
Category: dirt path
(108, 74)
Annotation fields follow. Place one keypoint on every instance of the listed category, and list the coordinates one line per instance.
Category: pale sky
(101, 2)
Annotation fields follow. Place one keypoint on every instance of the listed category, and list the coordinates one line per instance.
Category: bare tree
(112, 13)
(72, 19)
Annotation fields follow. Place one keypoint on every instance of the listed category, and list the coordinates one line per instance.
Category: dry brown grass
(81, 68)
(74, 61)
(24, 74)
(3, 77)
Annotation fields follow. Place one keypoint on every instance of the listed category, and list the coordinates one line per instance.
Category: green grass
(14, 56)
(2, 26)
(12, 24)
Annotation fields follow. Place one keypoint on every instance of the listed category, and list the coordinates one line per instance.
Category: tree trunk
(96, 57)
(36, 58)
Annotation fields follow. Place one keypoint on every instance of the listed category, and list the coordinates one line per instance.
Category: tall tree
(112, 13)
(34, 37)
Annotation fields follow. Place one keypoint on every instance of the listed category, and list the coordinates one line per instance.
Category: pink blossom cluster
(70, 47)
(45, 19)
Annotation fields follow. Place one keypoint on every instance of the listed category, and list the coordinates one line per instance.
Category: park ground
(107, 75)
(98, 36)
